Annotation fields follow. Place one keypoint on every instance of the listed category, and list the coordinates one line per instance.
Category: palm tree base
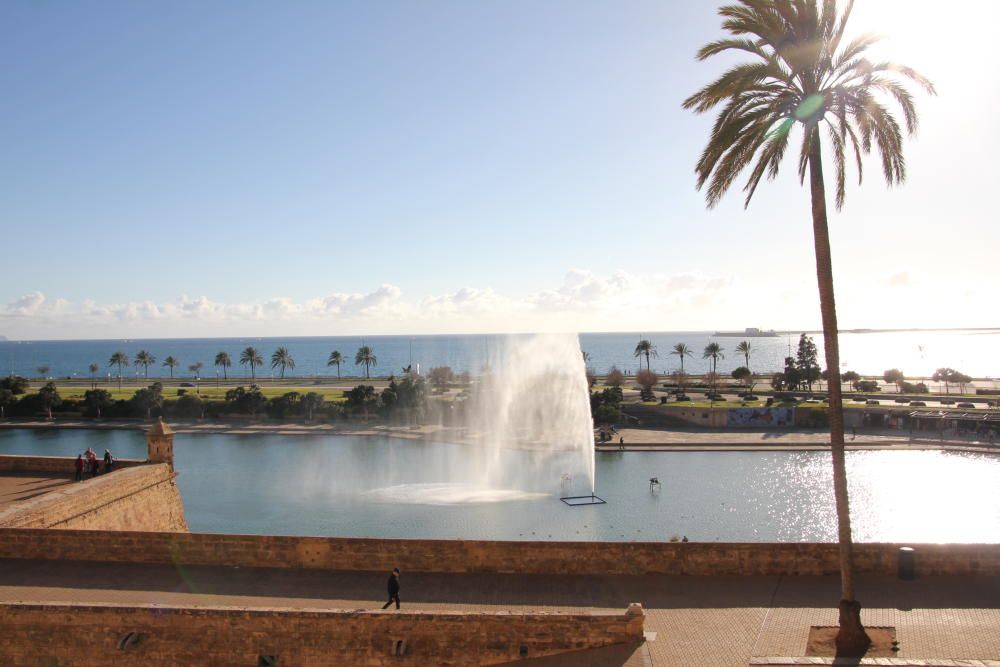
(852, 640)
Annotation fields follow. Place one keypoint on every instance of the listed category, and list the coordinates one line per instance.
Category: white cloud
(29, 304)
(583, 301)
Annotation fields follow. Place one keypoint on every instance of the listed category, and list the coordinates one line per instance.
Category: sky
(324, 168)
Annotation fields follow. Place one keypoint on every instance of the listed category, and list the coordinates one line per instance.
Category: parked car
(187, 384)
(966, 405)
(918, 404)
(871, 401)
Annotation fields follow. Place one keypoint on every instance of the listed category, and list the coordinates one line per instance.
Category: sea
(916, 353)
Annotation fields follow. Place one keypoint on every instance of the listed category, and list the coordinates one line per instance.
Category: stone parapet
(98, 635)
(456, 556)
(56, 465)
(135, 498)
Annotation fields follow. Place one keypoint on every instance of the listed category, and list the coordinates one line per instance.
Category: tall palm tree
(366, 356)
(144, 359)
(802, 74)
(195, 369)
(283, 359)
(682, 350)
(251, 357)
(745, 349)
(713, 351)
(222, 359)
(119, 359)
(647, 349)
(171, 362)
(336, 359)
(93, 369)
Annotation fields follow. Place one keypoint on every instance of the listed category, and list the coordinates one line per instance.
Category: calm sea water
(976, 353)
(353, 486)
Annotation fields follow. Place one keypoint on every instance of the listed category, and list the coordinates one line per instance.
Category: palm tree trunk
(851, 639)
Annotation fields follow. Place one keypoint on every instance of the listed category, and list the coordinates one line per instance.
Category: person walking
(393, 588)
(79, 467)
(621, 443)
(109, 461)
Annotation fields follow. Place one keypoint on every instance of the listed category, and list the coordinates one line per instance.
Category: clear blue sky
(491, 164)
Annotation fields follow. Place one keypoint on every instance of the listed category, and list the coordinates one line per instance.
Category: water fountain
(527, 428)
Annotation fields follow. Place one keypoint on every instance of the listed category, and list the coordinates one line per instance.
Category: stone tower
(160, 443)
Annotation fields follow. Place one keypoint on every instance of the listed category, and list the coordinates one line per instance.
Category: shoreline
(679, 440)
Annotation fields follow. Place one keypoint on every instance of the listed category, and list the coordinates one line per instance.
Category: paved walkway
(698, 621)
(18, 486)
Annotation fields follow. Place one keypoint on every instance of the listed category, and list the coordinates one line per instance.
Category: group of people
(88, 464)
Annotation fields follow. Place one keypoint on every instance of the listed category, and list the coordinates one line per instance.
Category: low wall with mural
(90, 635)
(578, 558)
(134, 498)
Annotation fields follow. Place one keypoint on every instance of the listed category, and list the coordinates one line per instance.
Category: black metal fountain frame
(582, 501)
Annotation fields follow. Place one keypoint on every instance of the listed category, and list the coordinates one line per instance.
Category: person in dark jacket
(393, 588)
(108, 460)
(79, 468)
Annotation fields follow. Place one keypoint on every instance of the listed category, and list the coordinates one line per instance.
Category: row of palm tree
(713, 351)
(281, 359)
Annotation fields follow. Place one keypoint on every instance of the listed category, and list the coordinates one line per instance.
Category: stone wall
(55, 465)
(580, 558)
(134, 497)
(88, 635)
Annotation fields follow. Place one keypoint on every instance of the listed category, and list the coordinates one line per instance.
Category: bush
(606, 414)
(188, 407)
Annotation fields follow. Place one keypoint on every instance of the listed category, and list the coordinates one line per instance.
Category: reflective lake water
(380, 487)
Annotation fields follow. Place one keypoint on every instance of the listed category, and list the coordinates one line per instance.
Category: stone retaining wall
(579, 558)
(135, 498)
(89, 635)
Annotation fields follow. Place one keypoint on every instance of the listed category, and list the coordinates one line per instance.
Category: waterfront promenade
(697, 621)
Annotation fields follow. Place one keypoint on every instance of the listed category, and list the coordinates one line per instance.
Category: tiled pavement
(698, 621)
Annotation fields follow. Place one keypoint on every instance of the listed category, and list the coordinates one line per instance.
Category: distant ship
(749, 332)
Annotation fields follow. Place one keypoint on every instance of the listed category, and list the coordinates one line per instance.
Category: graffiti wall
(761, 417)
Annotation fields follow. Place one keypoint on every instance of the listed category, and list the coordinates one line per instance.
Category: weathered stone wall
(140, 497)
(56, 465)
(583, 558)
(88, 635)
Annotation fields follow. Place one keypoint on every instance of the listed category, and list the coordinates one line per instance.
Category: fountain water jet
(528, 429)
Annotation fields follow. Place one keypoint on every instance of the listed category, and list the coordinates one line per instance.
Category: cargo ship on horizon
(749, 332)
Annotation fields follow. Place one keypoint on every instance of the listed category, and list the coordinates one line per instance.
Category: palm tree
(93, 369)
(251, 357)
(144, 359)
(682, 350)
(713, 351)
(647, 349)
(171, 363)
(282, 358)
(336, 359)
(222, 359)
(119, 359)
(802, 73)
(366, 356)
(195, 369)
(745, 348)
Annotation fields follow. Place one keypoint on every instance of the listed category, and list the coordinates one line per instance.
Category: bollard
(907, 566)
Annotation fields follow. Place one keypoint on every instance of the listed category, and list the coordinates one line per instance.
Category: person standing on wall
(79, 467)
(108, 461)
(393, 588)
